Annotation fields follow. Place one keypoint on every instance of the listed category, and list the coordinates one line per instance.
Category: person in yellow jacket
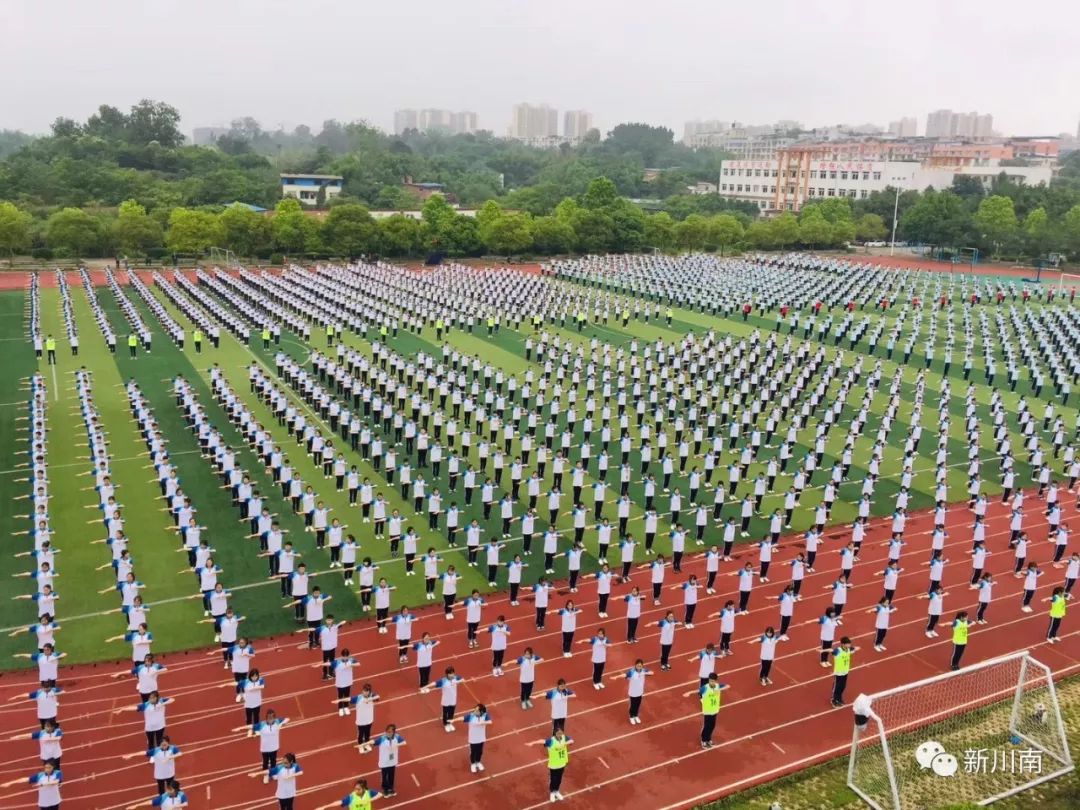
(329, 334)
(197, 338)
(960, 627)
(359, 798)
(1057, 613)
(710, 696)
(439, 325)
(669, 314)
(841, 669)
(266, 337)
(558, 751)
(133, 344)
(50, 348)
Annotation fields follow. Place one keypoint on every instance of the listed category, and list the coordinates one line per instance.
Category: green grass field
(175, 618)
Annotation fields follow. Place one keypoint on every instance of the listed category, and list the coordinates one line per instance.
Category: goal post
(1070, 280)
(222, 257)
(974, 736)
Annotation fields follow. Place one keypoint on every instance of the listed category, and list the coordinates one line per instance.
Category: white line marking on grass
(55, 385)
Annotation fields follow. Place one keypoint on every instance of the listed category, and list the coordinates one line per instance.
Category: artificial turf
(175, 617)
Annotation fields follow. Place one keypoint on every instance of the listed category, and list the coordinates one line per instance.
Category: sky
(820, 62)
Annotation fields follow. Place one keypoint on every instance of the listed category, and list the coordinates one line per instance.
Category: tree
(1039, 237)
(760, 234)
(14, 229)
(350, 231)
(399, 235)
(134, 232)
(507, 234)
(154, 121)
(1070, 230)
(245, 232)
(74, 231)
(551, 235)
(833, 209)
(938, 218)
(660, 231)
(193, 231)
(725, 231)
(843, 233)
(692, 233)
(649, 142)
(438, 215)
(601, 195)
(995, 222)
(292, 229)
(814, 229)
(488, 213)
(870, 228)
(785, 230)
(462, 237)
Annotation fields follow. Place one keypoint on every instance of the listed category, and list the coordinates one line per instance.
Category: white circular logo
(926, 752)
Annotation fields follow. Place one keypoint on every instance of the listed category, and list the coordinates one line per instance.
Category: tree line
(125, 183)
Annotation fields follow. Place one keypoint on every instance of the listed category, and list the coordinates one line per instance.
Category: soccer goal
(1068, 281)
(972, 736)
(222, 257)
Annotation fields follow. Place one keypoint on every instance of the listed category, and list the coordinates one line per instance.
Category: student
(477, 721)
(710, 695)
(153, 711)
(934, 609)
(559, 698)
(1057, 613)
(359, 798)
(827, 634)
(49, 746)
(342, 668)
(285, 775)
(841, 668)
(986, 588)
(163, 758)
(541, 592)
(568, 621)
(558, 748)
(403, 621)
(389, 745)
(527, 662)
(47, 781)
(172, 797)
(959, 638)
(667, 627)
(269, 733)
(365, 716)
(474, 604)
(882, 610)
(635, 689)
(768, 642)
(448, 694)
(499, 633)
(1031, 580)
(425, 649)
(599, 645)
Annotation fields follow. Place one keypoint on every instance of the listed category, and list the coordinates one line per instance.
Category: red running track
(763, 733)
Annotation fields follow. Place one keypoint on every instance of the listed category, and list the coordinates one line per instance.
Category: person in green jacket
(196, 338)
(1057, 613)
(50, 348)
(133, 344)
(558, 749)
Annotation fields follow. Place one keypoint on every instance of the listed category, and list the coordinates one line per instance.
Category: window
(811, 191)
(831, 194)
(862, 194)
(851, 193)
(821, 192)
(773, 173)
(813, 174)
(761, 204)
(843, 175)
(757, 172)
(877, 175)
(866, 175)
(832, 175)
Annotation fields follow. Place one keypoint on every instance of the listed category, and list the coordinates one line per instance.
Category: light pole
(895, 209)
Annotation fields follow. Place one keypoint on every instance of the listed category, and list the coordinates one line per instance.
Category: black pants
(526, 691)
(285, 804)
(665, 654)
(388, 775)
(1055, 624)
(476, 752)
(251, 716)
(631, 629)
(708, 725)
(363, 734)
(567, 641)
(839, 684)
(555, 776)
(635, 706)
(448, 714)
(153, 738)
(269, 759)
(766, 668)
(957, 654)
(598, 672)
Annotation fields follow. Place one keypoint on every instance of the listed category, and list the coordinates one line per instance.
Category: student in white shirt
(477, 722)
(635, 689)
(285, 776)
(768, 642)
(388, 744)
(527, 662)
(365, 716)
(269, 733)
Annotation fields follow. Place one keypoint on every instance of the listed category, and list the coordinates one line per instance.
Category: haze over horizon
(302, 63)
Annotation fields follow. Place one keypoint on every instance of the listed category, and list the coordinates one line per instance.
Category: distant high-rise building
(534, 121)
(948, 124)
(406, 119)
(456, 123)
(692, 128)
(904, 127)
(576, 124)
(463, 123)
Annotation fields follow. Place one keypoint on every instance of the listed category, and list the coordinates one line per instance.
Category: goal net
(1068, 282)
(972, 736)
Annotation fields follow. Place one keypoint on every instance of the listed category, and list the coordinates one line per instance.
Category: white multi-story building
(906, 127)
(306, 187)
(780, 184)
(576, 124)
(949, 124)
(534, 121)
(456, 123)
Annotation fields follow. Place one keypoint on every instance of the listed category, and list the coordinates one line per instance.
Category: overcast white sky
(302, 61)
